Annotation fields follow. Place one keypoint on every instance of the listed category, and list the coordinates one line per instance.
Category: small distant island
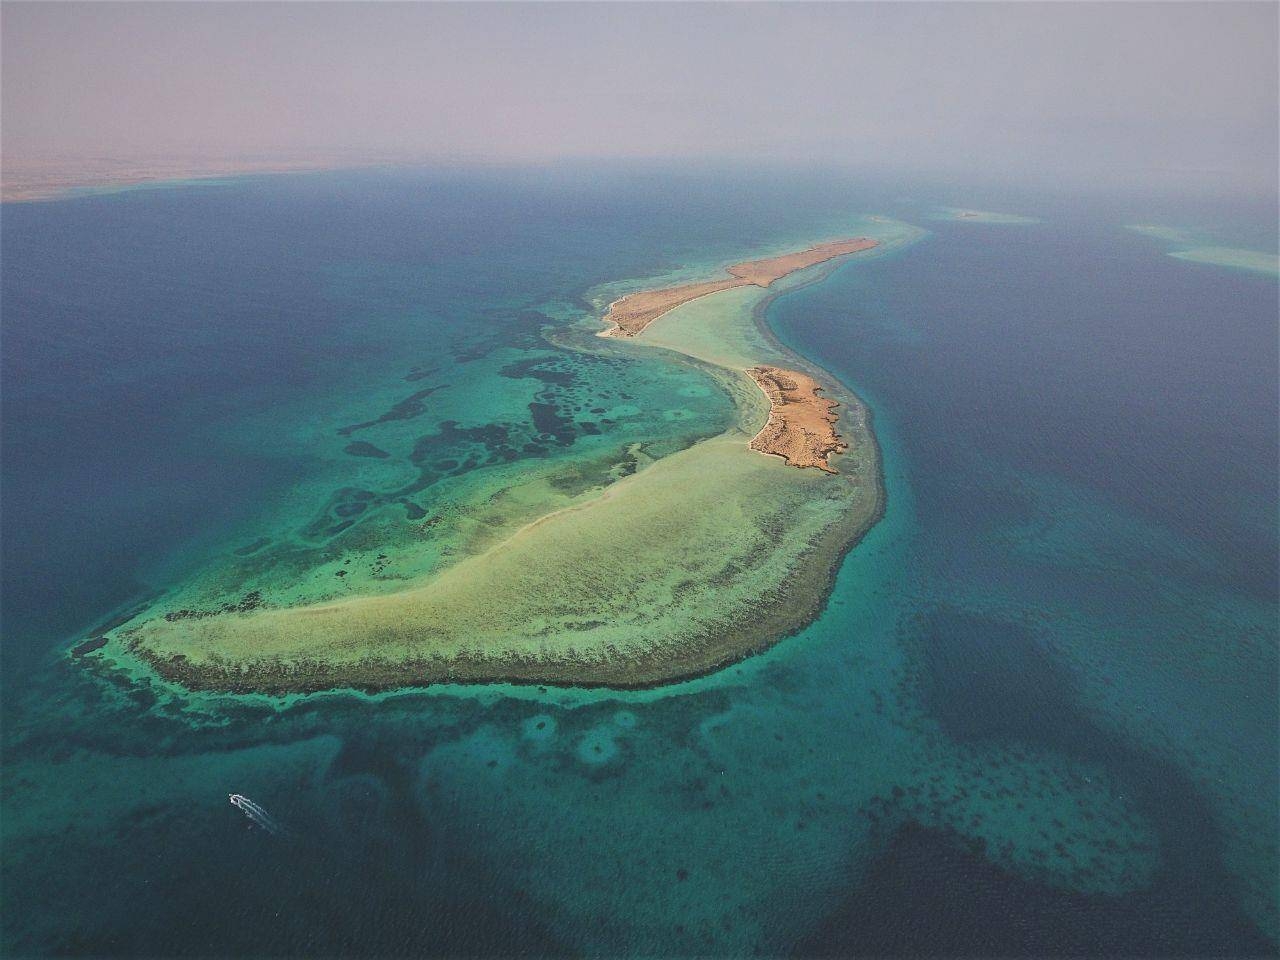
(966, 215)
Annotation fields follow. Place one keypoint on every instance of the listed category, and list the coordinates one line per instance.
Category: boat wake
(257, 815)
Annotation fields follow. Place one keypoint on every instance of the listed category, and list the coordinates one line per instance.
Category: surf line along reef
(692, 562)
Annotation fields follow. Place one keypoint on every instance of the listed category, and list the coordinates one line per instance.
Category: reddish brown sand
(764, 272)
(802, 425)
(634, 312)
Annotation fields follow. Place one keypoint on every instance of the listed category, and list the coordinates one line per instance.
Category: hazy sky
(1076, 89)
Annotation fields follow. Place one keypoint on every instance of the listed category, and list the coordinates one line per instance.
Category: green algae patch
(698, 559)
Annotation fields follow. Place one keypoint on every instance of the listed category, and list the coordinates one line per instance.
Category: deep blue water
(1078, 567)
(1031, 373)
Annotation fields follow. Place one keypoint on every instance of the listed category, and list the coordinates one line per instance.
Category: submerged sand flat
(1186, 246)
(632, 313)
(802, 424)
(1257, 261)
(693, 562)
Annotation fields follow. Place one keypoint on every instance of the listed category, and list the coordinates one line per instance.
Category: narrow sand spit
(801, 426)
(634, 312)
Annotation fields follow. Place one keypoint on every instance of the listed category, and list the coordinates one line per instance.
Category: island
(966, 215)
(666, 569)
(802, 425)
(632, 313)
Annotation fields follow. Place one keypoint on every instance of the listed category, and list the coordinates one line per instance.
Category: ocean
(1037, 715)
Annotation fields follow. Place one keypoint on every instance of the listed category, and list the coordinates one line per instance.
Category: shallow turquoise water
(1038, 714)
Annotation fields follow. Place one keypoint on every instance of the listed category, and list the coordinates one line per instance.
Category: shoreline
(632, 313)
(786, 605)
(801, 428)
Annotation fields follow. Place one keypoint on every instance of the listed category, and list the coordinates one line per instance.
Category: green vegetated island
(690, 562)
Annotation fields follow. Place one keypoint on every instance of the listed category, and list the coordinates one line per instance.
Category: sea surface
(1038, 714)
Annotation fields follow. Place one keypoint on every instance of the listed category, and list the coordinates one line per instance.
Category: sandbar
(965, 215)
(632, 313)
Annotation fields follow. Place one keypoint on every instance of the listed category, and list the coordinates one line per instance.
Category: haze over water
(1037, 714)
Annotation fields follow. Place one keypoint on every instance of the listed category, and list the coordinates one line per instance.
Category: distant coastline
(30, 181)
(967, 215)
(27, 180)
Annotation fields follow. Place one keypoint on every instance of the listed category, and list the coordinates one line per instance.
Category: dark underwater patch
(549, 370)
(408, 408)
(932, 893)
(134, 610)
(344, 505)
(549, 421)
(412, 510)
(447, 443)
(987, 679)
(360, 448)
(251, 548)
(88, 646)
(250, 601)
(513, 329)
(418, 373)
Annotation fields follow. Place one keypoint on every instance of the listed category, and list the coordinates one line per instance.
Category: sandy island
(723, 550)
(802, 425)
(634, 312)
